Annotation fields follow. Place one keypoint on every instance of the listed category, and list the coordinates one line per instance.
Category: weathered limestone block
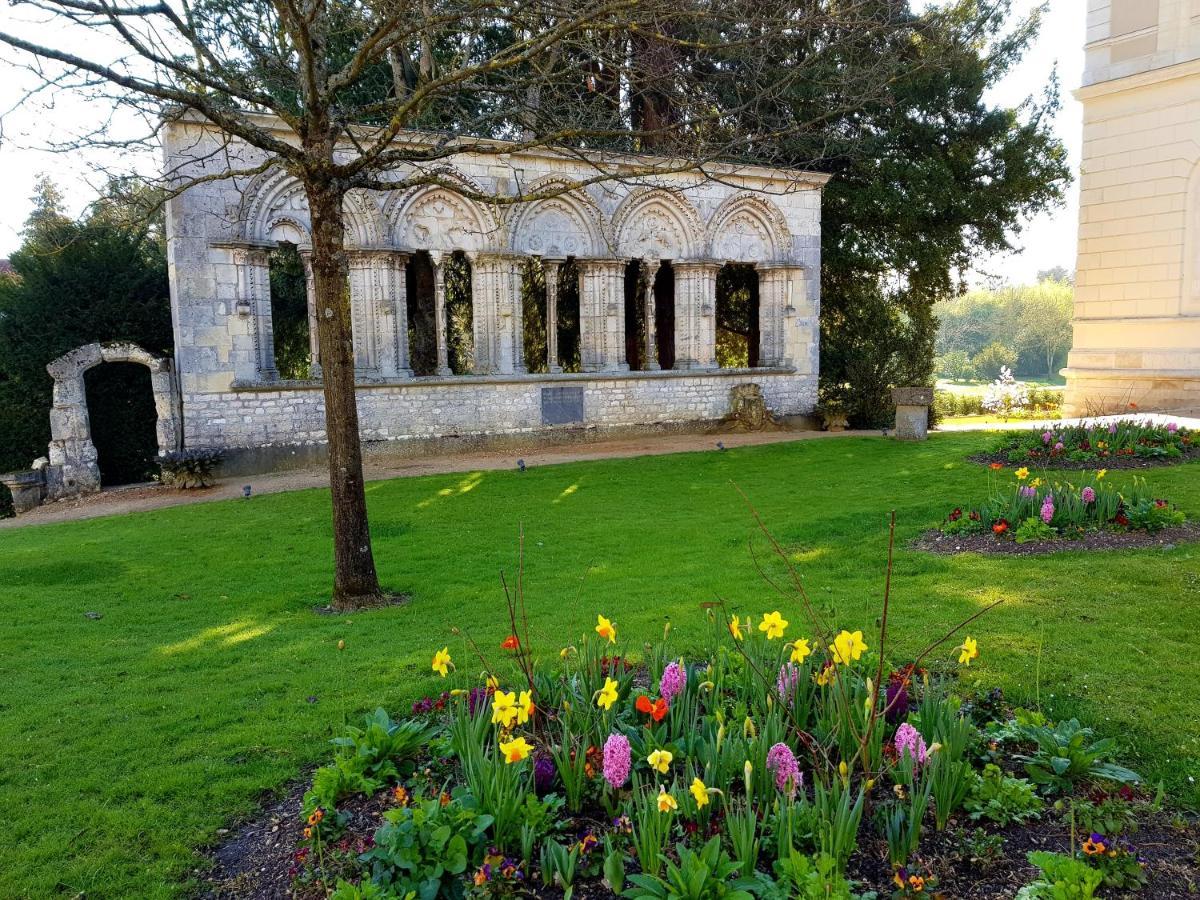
(912, 412)
(28, 489)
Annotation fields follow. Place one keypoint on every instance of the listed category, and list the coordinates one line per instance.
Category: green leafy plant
(190, 469)
(1063, 878)
(380, 744)
(978, 847)
(801, 877)
(427, 846)
(1033, 529)
(1067, 753)
(699, 875)
(1001, 799)
(560, 866)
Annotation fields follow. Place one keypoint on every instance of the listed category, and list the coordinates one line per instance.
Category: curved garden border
(1108, 462)
(935, 541)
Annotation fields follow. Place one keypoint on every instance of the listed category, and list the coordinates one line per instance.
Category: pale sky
(1047, 241)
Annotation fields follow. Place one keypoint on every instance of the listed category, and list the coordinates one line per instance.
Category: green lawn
(127, 741)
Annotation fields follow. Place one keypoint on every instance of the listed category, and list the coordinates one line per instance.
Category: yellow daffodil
(826, 676)
(773, 624)
(847, 648)
(1101, 474)
(565, 652)
(660, 760)
(504, 709)
(515, 750)
(700, 792)
(606, 629)
(970, 651)
(1036, 483)
(844, 771)
(441, 662)
(800, 650)
(666, 803)
(525, 707)
(1022, 473)
(735, 629)
(607, 695)
(748, 777)
(492, 682)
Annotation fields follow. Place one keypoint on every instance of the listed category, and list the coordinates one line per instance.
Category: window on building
(289, 312)
(737, 316)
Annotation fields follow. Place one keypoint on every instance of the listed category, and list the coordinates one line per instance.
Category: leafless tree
(694, 81)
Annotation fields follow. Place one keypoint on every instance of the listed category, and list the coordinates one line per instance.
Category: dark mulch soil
(1171, 849)
(934, 541)
(257, 861)
(1109, 462)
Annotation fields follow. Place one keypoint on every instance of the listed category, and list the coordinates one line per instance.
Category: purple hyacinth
(896, 701)
(782, 762)
(1112, 429)
(1028, 490)
(616, 760)
(1087, 495)
(786, 681)
(1048, 508)
(544, 774)
(909, 740)
(673, 682)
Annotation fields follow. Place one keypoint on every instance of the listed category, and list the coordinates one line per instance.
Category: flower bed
(1124, 444)
(1038, 512)
(780, 761)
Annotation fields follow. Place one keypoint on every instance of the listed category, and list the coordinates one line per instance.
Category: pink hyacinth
(1048, 508)
(616, 760)
(782, 762)
(1087, 495)
(1172, 427)
(909, 740)
(788, 678)
(673, 682)
(1059, 446)
(1047, 437)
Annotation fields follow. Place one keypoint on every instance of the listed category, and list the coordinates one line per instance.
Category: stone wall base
(1112, 392)
(241, 461)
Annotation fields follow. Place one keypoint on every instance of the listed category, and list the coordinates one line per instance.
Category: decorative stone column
(496, 313)
(254, 304)
(695, 314)
(367, 280)
(550, 269)
(912, 412)
(650, 336)
(602, 315)
(773, 284)
(439, 312)
(314, 335)
(394, 361)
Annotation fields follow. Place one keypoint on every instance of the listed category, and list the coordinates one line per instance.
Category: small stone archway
(73, 468)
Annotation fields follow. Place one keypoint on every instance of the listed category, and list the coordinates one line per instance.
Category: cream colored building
(1137, 296)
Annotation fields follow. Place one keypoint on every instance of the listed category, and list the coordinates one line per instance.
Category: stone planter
(912, 412)
(834, 421)
(28, 489)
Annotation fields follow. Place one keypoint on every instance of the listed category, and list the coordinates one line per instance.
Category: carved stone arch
(435, 217)
(657, 224)
(568, 224)
(748, 228)
(73, 465)
(274, 208)
(364, 224)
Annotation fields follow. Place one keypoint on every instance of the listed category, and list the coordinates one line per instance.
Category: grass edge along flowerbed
(751, 772)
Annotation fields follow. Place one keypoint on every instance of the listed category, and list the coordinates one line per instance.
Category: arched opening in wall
(422, 331)
(635, 318)
(460, 333)
(664, 314)
(568, 316)
(120, 407)
(533, 314)
(737, 316)
(289, 312)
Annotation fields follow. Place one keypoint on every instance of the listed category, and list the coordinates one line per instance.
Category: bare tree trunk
(355, 583)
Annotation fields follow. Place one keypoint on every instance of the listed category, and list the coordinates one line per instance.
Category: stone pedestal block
(28, 489)
(912, 412)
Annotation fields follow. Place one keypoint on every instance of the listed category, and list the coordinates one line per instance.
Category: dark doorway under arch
(289, 312)
(737, 316)
(120, 406)
(422, 334)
